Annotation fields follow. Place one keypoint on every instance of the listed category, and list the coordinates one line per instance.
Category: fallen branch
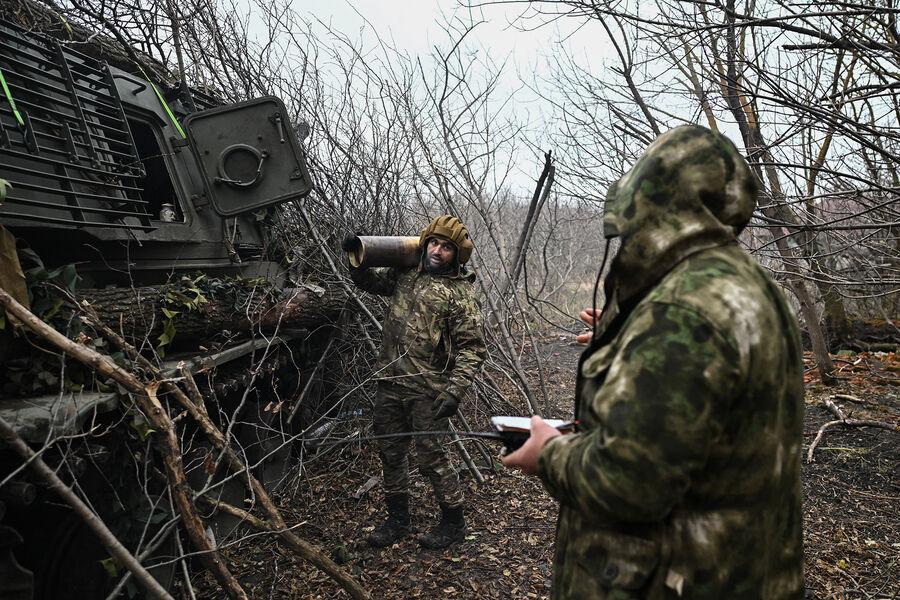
(145, 397)
(276, 522)
(309, 381)
(467, 458)
(479, 444)
(106, 537)
(854, 399)
(843, 420)
(149, 549)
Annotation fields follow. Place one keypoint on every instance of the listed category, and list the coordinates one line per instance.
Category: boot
(451, 529)
(396, 526)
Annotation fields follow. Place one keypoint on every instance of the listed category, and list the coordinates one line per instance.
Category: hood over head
(690, 190)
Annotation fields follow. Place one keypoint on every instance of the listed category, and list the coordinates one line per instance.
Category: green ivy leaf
(195, 302)
(111, 566)
(142, 428)
(56, 304)
(166, 337)
(69, 277)
(169, 331)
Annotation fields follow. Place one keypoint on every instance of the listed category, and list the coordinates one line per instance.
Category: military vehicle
(129, 184)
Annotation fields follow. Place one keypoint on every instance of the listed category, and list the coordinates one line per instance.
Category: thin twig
(276, 522)
(9, 437)
(145, 397)
(843, 420)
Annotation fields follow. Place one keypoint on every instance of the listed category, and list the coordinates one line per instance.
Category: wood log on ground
(145, 397)
(200, 314)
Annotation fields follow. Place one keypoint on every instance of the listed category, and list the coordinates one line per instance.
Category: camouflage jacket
(433, 332)
(684, 480)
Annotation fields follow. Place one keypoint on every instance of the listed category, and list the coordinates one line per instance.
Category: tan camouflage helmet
(449, 228)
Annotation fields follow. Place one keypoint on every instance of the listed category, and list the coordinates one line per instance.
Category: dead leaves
(864, 370)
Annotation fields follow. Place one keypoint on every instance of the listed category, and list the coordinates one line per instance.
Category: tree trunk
(761, 162)
(541, 191)
(837, 325)
(817, 340)
(138, 312)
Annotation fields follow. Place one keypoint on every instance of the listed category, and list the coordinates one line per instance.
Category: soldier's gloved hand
(445, 405)
(349, 242)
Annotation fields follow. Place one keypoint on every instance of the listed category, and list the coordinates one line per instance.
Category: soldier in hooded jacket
(684, 478)
(432, 348)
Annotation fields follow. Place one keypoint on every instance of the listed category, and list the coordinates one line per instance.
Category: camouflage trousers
(396, 411)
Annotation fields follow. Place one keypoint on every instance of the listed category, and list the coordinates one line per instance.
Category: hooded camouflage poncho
(685, 479)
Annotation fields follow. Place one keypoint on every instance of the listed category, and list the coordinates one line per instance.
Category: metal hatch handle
(224, 177)
(279, 124)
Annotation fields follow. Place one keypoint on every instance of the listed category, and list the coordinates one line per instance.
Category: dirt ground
(852, 489)
(851, 510)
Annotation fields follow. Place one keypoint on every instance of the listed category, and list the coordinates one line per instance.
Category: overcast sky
(415, 28)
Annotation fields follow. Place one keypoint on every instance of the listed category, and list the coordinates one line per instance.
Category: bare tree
(805, 94)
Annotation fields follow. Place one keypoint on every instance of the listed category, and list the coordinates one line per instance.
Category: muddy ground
(851, 510)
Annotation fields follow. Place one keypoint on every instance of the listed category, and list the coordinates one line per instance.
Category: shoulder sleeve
(381, 281)
(466, 328)
(660, 407)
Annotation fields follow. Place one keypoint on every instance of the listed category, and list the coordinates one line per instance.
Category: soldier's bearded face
(439, 255)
